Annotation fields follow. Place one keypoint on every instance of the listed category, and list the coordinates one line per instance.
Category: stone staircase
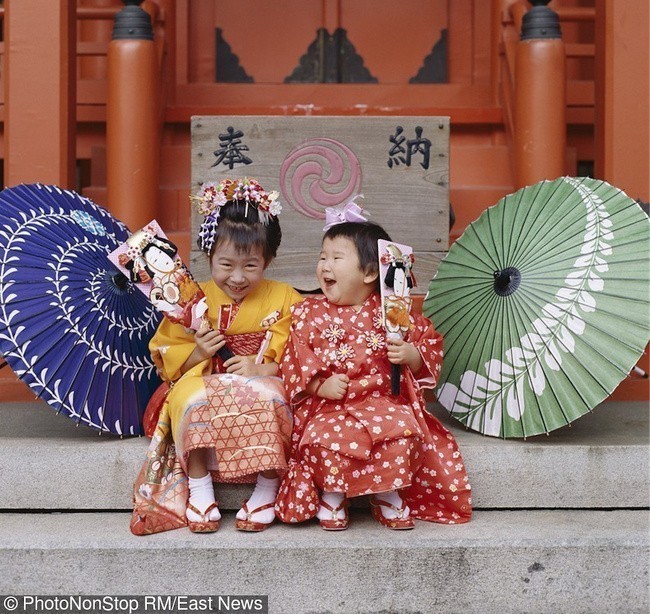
(561, 525)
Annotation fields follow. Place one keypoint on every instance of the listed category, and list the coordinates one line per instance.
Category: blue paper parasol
(71, 326)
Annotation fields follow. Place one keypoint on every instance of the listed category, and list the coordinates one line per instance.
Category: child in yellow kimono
(226, 417)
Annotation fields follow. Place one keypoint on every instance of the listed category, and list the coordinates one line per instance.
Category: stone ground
(562, 524)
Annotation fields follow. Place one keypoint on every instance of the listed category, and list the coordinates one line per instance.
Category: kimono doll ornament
(395, 266)
(151, 262)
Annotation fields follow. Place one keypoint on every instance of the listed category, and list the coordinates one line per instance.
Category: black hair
(389, 280)
(164, 245)
(241, 225)
(364, 235)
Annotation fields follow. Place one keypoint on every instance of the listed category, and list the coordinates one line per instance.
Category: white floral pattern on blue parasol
(71, 326)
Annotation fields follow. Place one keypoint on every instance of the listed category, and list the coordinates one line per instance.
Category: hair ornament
(213, 196)
(404, 261)
(348, 212)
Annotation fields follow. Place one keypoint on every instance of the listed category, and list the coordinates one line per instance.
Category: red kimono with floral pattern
(369, 442)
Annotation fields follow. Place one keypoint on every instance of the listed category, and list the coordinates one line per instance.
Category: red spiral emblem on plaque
(319, 173)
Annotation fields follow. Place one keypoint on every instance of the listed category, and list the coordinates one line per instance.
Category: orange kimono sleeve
(170, 347)
(279, 330)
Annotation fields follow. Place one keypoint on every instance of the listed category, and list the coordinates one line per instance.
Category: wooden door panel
(266, 42)
(269, 37)
(394, 38)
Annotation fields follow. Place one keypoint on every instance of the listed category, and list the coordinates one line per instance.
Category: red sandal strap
(261, 508)
(335, 510)
(204, 515)
(376, 502)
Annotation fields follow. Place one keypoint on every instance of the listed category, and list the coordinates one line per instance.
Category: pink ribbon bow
(350, 212)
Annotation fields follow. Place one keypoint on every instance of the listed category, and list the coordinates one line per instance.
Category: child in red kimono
(351, 437)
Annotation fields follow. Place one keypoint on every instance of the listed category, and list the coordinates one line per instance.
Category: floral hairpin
(402, 260)
(213, 196)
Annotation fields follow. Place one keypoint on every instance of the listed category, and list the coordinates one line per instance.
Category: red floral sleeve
(300, 363)
(429, 343)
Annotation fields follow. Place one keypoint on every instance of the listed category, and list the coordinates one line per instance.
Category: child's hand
(334, 387)
(241, 365)
(208, 342)
(401, 352)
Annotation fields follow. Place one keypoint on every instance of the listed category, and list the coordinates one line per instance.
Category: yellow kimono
(244, 422)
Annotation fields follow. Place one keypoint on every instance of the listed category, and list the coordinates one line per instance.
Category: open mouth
(328, 282)
(237, 289)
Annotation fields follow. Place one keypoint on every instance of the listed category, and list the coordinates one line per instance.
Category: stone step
(601, 461)
(502, 561)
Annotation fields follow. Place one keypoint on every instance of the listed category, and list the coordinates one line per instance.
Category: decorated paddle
(396, 280)
(151, 262)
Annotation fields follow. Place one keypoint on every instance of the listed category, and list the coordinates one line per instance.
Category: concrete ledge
(601, 461)
(532, 561)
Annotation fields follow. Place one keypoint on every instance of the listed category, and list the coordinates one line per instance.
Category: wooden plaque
(399, 164)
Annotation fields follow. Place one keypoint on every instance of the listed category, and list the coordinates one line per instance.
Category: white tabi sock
(266, 490)
(393, 498)
(333, 499)
(201, 497)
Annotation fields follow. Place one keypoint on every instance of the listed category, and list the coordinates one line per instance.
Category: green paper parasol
(544, 307)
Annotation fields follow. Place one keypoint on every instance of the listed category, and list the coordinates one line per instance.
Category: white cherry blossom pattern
(334, 333)
(375, 340)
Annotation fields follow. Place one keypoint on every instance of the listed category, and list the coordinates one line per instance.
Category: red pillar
(623, 119)
(540, 98)
(40, 85)
(133, 119)
(623, 95)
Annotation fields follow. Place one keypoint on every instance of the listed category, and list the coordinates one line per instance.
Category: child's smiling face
(237, 273)
(340, 275)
